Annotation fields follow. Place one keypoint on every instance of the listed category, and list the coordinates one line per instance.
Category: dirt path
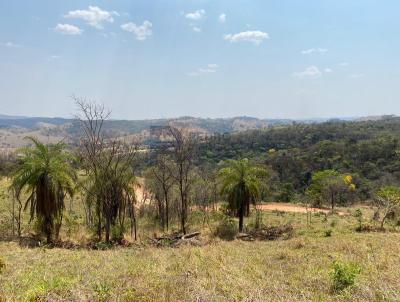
(289, 207)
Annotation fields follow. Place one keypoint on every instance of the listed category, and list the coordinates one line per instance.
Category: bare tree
(163, 176)
(108, 163)
(92, 143)
(183, 147)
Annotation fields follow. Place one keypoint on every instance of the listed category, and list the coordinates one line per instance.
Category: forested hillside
(367, 149)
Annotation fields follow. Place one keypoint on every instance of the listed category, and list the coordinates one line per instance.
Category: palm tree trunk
(241, 216)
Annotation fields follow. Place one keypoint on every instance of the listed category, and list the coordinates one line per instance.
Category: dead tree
(183, 147)
(163, 176)
(108, 163)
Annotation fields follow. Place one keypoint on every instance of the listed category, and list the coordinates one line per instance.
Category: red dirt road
(289, 207)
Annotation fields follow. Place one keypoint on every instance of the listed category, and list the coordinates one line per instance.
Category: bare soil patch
(289, 207)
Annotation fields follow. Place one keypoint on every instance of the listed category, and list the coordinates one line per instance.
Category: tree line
(327, 164)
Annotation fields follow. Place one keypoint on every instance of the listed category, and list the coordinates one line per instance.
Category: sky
(169, 58)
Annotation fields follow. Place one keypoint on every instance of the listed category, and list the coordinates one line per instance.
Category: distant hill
(14, 128)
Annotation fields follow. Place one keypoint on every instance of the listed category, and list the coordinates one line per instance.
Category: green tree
(241, 182)
(330, 185)
(46, 174)
(388, 199)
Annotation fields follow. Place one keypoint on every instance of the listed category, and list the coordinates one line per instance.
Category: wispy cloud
(141, 31)
(68, 29)
(196, 15)
(314, 50)
(256, 37)
(195, 28)
(328, 70)
(311, 72)
(10, 45)
(94, 16)
(222, 18)
(357, 75)
(344, 64)
(210, 68)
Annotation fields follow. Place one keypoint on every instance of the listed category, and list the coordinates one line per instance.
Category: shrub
(226, 229)
(103, 291)
(328, 233)
(117, 233)
(359, 216)
(2, 265)
(343, 275)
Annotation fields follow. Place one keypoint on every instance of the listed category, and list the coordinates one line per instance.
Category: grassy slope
(293, 270)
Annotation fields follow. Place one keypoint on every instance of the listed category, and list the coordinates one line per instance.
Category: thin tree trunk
(99, 224)
(13, 218)
(107, 230)
(19, 221)
(134, 221)
(167, 211)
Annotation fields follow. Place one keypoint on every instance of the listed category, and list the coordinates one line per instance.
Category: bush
(117, 233)
(343, 275)
(103, 291)
(2, 265)
(328, 233)
(226, 229)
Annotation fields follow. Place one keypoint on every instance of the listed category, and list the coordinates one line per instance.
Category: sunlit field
(299, 268)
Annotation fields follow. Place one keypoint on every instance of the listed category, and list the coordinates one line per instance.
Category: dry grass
(297, 269)
(292, 270)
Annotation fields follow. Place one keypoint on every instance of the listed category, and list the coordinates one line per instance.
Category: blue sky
(165, 58)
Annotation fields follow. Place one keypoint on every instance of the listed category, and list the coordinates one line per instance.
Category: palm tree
(241, 183)
(45, 173)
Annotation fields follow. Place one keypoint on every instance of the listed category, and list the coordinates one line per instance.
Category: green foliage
(103, 291)
(344, 275)
(226, 229)
(328, 233)
(330, 185)
(45, 173)
(389, 194)
(388, 199)
(368, 150)
(359, 216)
(241, 184)
(117, 233)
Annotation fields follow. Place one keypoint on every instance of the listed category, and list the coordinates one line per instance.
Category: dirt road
(289, 207)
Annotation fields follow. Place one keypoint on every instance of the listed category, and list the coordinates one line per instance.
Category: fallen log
(191, 235)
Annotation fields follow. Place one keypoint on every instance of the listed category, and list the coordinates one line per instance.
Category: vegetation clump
(344, 274)
(269, 233)
(2, 264)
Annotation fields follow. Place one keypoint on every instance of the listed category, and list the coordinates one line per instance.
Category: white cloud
(222, 18)
(213, 66)
(328, 70)
(313, 50)
(197, 15)
(10, 45)
(141, 31)
(196, 29)
(357, 75)
(256, 37)
(311, 72)
(55, 57)
(68, 29)
(344, 64)
(210, 68)
(94, 16)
